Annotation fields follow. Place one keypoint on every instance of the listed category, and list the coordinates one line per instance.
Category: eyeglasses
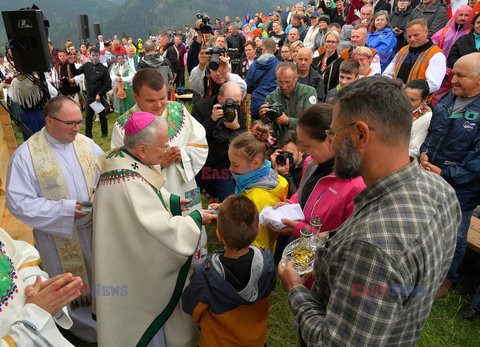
(80, 123)
(331, 132)
(284, 83)
(331, 41)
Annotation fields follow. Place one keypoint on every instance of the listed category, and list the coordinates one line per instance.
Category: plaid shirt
(375, 281)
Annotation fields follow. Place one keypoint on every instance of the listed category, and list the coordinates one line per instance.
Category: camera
(215, 52)
(274, 111)
(229, 108)
(311, 2)
(205, 28)
(282, 157)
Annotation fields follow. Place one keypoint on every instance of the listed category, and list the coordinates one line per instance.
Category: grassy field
(442, 328)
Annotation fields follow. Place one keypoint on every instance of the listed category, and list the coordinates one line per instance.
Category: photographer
(222, 119)
(288, 160)
(207, 82)
(235, 40)
(288, 101)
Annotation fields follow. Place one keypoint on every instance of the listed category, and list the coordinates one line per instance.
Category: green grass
(442, 327)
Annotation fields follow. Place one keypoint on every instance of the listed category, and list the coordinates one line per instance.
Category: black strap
(257, 82)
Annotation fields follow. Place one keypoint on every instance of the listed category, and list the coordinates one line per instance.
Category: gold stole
(51, 181)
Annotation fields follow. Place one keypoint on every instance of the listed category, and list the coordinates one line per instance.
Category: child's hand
(214, 206)
(279, 204)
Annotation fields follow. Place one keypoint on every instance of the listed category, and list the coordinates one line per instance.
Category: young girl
(254, 176)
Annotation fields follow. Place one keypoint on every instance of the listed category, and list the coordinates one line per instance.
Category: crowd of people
(364, 115)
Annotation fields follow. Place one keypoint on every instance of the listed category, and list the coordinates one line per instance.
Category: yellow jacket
(262, 197)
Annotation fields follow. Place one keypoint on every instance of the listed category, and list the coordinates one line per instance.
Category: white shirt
(53, 218)
(436, 70)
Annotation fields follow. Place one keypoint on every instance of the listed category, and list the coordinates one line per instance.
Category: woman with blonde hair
(363, 56)
(294, 47)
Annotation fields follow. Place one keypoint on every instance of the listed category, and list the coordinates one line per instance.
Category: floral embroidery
(122, 120)
(175, 117)
(7, 276)
(424, 109)
(116, 153)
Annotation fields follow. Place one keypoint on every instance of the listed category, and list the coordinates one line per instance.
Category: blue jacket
(453, 144)
(267, 85)
(384, 42)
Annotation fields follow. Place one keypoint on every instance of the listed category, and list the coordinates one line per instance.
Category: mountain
(119, 2)
(139, 18)
(136, 18)
(62, 16)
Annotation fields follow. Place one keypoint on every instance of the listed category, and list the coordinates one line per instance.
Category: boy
(348, 74)
(228, 293)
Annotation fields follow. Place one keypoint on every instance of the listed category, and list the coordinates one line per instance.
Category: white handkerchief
(274, 216)
(97, 107)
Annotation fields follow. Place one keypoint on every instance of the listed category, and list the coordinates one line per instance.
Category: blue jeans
(461, 247)
(475, 303)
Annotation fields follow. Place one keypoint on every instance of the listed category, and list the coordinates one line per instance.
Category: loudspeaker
(83, 28)
(96, 29)
(27, 33)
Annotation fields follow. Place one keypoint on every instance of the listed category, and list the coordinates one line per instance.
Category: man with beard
(376, 277)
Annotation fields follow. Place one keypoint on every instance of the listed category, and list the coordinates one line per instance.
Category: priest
(142, 243)
(49, 177)
(188, 144)
(30, 303)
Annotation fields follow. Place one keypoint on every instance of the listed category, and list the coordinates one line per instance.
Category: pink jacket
(331, 200)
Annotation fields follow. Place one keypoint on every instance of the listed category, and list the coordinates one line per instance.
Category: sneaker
(468, 313)
(104, 136)
(443, 289)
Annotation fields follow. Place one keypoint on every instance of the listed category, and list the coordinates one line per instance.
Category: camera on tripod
(215, 52)
(205, 27)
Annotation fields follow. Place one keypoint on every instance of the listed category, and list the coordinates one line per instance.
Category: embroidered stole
(52, 184)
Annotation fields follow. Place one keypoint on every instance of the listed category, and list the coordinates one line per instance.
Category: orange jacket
(420, 67)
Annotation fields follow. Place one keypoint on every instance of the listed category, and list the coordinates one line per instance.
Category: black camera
(229, 107)
(282, 157)
(274, 111)
(205, 28)
(311, 2)
(215, 52)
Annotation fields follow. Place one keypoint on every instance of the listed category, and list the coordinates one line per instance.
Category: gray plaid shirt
(375, 281)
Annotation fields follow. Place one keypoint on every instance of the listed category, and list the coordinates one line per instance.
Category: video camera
(215, 52)
(274, 111)
(282, 157)
(229, 107)
(205, 28)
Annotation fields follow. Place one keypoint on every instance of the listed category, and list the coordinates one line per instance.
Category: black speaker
(83, 28)
(27, 33)
(96, 29)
